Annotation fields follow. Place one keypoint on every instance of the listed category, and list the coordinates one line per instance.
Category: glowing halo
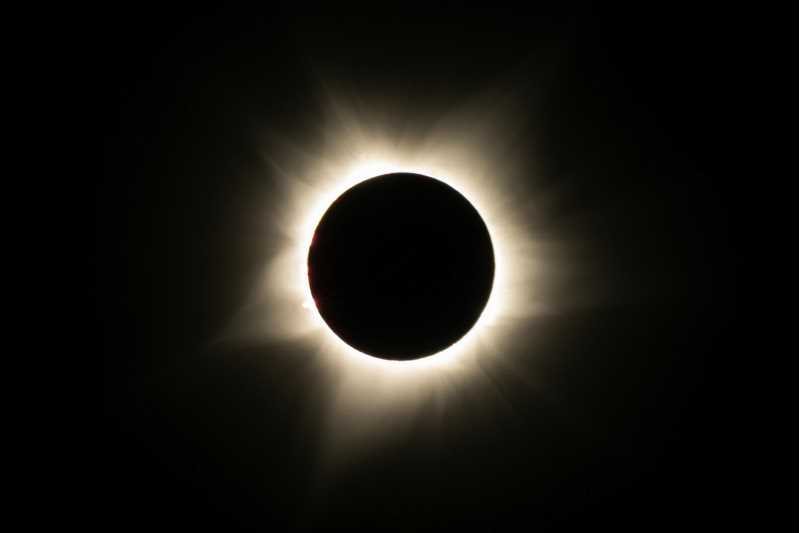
(471, 151)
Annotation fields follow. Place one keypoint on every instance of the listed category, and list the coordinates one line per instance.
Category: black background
(676, 409)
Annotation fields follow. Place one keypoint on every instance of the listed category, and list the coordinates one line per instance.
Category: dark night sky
(646, 115)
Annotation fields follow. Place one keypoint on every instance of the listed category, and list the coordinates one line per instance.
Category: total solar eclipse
(401, 266)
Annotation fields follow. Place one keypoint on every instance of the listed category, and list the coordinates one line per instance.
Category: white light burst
(472, 150)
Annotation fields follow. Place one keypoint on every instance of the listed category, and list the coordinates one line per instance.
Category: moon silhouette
(401, 266)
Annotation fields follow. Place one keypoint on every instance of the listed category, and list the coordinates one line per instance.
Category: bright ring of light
(446, 355)
(472, 152)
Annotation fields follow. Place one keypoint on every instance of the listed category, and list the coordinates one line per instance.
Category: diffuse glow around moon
(472, 150)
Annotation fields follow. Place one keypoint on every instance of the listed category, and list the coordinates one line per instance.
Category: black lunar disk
(401, 266)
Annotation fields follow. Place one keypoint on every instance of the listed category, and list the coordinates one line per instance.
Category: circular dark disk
(401, 266)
